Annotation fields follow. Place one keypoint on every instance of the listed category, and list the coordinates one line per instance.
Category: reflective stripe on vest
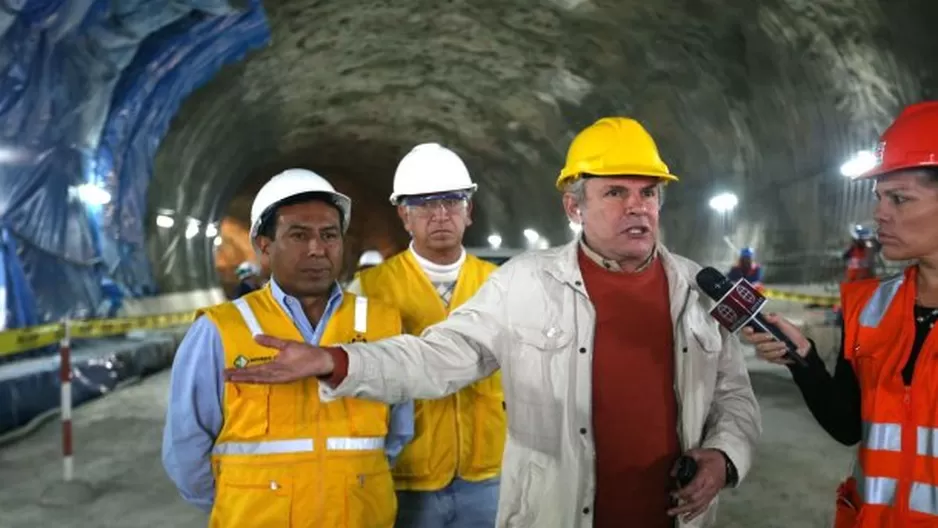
(301, 445)
(882, 436)
(361, 315)
(923, 498)
(927, 441)
(878, 437)
(876, 307)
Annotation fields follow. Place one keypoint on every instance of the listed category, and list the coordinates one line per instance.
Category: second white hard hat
(293, 182)
(430, 168)
(370, 258)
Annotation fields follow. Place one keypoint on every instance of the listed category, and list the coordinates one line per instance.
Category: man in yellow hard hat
(281, 456)
(447, 477)
(612, 365)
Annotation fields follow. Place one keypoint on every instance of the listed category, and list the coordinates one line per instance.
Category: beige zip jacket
(534, 320)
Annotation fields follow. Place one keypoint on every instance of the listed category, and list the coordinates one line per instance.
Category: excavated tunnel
(763, 99)
(185, 110)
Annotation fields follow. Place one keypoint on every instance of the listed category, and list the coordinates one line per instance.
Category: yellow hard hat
(613, 146)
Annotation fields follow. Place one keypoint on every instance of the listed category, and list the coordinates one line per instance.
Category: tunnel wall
(87, 90)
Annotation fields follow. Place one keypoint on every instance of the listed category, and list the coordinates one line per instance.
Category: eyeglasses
(447, 206)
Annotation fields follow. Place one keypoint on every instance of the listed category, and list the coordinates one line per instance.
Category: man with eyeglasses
(448, 476)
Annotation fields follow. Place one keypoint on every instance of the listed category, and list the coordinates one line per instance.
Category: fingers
(271, 342)
(263, 374)
(695, 497)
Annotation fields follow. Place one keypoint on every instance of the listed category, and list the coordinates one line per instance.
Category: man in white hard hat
(614, 370)
(448, 475)
(369, 259)
(277, 456)
(248, 279)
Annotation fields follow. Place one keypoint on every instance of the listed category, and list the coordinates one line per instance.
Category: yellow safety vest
(462, 434)
(285, 458)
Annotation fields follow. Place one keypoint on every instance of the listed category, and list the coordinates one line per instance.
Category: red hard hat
(910, 141)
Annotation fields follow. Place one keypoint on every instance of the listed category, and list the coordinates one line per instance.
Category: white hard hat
(246, 269)
(370, 258)
(292, 182)
(430, 168)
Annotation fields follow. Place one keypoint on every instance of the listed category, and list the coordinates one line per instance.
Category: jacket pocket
(252, 495)
(528, 367)
(370, 500)
(529, 499)
(370, 418)
(414, 460)
(248, 409)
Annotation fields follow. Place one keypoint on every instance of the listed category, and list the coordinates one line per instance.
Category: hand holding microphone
(738, 308)
(772, 350)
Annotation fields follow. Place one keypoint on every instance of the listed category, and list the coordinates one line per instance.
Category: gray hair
(578, 189)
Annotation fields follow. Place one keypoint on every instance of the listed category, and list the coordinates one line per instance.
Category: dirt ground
(117, 444)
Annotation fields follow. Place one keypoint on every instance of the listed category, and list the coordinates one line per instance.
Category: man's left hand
(707, 483)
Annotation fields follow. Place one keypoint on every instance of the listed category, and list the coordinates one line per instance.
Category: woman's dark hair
(268, 227)
(931, 174)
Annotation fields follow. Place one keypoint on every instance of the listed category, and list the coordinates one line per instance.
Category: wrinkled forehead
(912, 180)
(633, 183)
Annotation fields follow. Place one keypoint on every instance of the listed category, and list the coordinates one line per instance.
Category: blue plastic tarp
(87, 91)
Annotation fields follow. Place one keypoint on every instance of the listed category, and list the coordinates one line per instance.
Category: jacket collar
(562, 264)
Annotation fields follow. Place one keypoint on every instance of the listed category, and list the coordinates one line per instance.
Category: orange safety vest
(285, 458)
(462, 434)
(895, 477)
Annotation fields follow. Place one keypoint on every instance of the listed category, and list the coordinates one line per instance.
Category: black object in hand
(686, 470)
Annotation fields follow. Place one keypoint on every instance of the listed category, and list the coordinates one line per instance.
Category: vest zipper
(909, 450)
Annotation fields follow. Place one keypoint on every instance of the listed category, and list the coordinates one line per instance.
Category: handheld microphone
(739, 305)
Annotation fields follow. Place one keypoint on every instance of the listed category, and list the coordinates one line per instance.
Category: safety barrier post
(65, 376)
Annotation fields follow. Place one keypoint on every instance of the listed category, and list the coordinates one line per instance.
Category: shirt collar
(612, 265)
(284, 299)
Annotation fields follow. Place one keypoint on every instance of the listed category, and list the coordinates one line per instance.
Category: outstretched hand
(295, 361)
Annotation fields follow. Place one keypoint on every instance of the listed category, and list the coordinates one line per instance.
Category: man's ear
(571, 207)
(263, 245)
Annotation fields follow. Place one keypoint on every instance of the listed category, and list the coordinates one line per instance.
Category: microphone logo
(726, 314)
(738, 306)
(746, 295)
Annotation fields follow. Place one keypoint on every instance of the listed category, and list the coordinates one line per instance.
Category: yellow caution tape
(820, 300)
(23, 339)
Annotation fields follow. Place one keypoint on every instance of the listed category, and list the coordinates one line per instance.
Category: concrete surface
(117, 444)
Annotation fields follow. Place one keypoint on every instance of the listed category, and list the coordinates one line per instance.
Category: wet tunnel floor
(117, 444)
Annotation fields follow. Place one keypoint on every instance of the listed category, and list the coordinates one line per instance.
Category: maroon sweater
(634, 408)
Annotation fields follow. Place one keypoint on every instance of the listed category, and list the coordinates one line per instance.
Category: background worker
(747, 268)
(448, 475)
(257, 456)
(369, 259)
(248, 278)
(860, 257)
(611, 363)
(885, 384)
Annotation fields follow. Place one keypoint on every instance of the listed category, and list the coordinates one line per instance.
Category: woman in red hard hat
(883, 395)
